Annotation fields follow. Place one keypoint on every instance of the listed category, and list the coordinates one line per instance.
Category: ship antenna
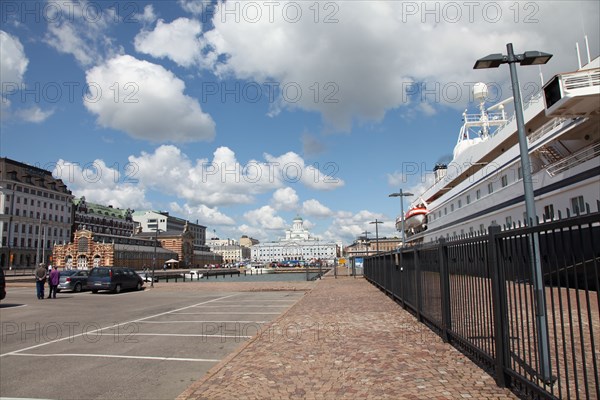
(578, 55)
(587, 48)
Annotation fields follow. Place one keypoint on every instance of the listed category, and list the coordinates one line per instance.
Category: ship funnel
(439, 171)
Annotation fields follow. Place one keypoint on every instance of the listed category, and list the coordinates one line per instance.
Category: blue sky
(243, 114)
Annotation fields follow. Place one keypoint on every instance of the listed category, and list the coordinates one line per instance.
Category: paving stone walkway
(346, 340)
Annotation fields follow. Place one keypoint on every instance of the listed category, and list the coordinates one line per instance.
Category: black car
(114, 279)
(72, 279)
(2, 284)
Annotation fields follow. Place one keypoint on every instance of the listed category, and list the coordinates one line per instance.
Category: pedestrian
(48, 276)
(54, 279)
(40, 280)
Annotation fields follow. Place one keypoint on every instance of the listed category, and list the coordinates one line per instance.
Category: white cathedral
(298, 245)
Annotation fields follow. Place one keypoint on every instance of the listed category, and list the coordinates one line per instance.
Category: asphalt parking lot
(150, 344)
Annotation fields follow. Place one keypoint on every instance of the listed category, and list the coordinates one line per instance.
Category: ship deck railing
(585, 154)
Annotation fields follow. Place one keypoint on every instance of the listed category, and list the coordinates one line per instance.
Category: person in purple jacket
(53, 280)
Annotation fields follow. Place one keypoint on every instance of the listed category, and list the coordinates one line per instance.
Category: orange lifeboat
(415, 219)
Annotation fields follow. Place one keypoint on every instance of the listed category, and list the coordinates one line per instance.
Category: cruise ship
(483, 183)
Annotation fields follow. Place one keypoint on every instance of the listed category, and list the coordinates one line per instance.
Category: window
(478, 194)
(509, 221)
(490, 187)
(577, 205)
(520, 173)
(504, 180)
(468, 199)
(549, 212)
(451, 207)
(459, 203)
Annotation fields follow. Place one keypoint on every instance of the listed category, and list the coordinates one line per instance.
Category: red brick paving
(345, 340)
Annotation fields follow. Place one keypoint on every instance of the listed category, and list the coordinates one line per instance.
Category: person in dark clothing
(40, 280)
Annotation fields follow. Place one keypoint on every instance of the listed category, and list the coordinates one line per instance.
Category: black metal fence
(478, 294)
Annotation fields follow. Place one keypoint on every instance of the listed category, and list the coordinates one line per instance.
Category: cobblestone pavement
(345, 340)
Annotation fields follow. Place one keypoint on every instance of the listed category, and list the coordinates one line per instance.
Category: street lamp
(154, 262)
(401, 194)
(527, 58)
(376, 222)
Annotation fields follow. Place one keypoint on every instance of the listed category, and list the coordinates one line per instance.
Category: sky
(242, 115)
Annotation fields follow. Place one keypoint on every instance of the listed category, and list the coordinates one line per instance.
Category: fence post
(499, 300)
(418, 284)
(445, 289)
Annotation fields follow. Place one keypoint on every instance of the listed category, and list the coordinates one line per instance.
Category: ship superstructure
(483, 183)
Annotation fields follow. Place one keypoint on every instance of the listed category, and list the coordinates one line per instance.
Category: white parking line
(211, 322)
(116, 356)
(232, 313)
(71, 337)
(242, 306)
(192, 335)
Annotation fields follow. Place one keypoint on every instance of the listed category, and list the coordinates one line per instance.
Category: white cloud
(34, 114)
(285, 199)
(291, 168)
(203, 214)
(222, 180)
(266, 218)
(13, 61)
(314, 208)
(100, 184)
(367, 59)
(178, 40)
(195, 7)
(81, 29)
(146, 101)
(148, 16)
(347, 226)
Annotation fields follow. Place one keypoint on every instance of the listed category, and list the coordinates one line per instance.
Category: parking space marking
(203, 322)
(118, 356)
(230, 313)
(242, 306)
(16, 352)
(202, 335)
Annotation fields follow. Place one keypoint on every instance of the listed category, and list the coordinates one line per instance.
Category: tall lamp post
(401, 194)
(376, 222)
(155, 260)
(527, 58)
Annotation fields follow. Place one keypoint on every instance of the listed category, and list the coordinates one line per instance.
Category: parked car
(2, 284)
(114, 279)
(72, 279)
(147, 276)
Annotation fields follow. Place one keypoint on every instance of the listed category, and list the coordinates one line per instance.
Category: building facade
(104, 221)
(233, 253)
(248, 241)
(149, 221)
(88, 250)
(297, 246)
(35, 213)
(363, 247)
